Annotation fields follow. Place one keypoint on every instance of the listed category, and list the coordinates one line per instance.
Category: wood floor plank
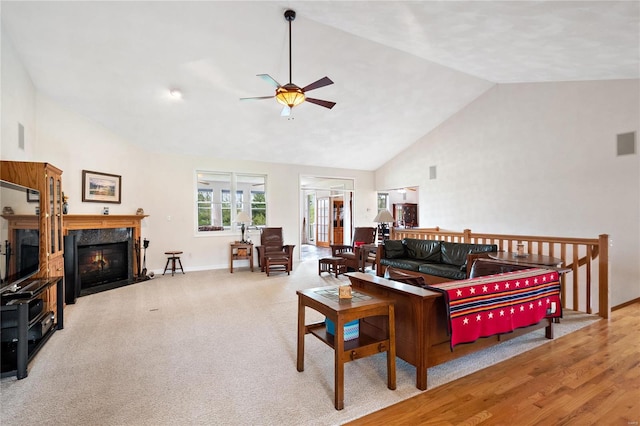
(590, 377)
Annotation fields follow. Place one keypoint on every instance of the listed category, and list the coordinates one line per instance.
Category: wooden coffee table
(341, 311)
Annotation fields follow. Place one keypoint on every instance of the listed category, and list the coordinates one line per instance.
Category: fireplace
(102, 264)
(84, 230)
(97, 260)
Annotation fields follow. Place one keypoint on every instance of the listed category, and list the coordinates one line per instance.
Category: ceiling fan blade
(257, 97)
(270, 80)
(326, 104)
(324, 81)
(286, 111)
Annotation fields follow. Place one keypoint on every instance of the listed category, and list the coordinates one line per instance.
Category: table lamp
(241, 219)
(383, 218)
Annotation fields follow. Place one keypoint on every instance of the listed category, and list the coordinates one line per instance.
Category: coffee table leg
(339, 365)
(391, 352)
(301, 333)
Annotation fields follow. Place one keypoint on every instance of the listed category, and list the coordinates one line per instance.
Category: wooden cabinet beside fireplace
(47, 179)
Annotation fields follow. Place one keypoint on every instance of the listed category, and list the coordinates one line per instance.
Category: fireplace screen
(102, 263)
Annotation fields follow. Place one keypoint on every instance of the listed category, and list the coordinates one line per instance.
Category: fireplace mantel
(102, 221)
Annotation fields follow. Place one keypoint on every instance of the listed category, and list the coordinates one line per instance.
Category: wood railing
(587, 259)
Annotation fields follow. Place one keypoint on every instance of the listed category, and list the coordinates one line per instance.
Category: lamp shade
(383, 216)
(242, 217)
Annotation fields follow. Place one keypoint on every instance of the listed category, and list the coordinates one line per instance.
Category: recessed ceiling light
(175, 94)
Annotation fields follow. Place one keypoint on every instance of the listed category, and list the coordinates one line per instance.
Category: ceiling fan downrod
(290, 15)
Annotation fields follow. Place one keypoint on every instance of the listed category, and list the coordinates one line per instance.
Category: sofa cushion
(456, 253)
(404, 263)
(394, 249)
(443, 270)
(427, 250)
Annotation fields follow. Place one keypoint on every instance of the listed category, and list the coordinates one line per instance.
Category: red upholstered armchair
(353, 255)
(272, 244)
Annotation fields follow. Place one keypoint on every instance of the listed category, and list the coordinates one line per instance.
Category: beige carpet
(210, 348)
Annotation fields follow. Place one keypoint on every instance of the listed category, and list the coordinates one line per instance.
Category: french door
(322, 222)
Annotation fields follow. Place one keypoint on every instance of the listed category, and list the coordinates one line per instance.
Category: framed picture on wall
(100, 187)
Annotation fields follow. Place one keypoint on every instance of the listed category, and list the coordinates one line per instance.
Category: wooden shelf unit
(48, 282)
(405, 214)
(47, 179)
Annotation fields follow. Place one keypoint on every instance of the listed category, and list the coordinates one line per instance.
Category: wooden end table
(332, 265)
(341, 311)
(532, 259)
(240, 251)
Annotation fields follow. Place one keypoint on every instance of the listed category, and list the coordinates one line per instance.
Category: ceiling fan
(290, 94)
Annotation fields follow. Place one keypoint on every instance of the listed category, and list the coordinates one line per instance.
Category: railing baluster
(563, 279)
(588, 273)
(576, 265)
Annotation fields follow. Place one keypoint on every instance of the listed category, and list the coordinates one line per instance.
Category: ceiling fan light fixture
(290, 96)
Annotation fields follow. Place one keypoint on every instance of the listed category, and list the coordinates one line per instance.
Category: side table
(341, 311)
(332, 265)
(240, 251)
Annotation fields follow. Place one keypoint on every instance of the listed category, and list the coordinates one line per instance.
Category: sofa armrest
(471, 257)
(485, 266)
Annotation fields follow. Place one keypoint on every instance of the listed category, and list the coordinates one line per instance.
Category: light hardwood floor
(590, 377)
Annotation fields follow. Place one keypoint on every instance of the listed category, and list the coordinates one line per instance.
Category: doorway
(326, 214)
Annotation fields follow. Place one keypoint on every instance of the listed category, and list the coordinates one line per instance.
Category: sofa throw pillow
(394, 249)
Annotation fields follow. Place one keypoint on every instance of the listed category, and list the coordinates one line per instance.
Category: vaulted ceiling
(400, 67)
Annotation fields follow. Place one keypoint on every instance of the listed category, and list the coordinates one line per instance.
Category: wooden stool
(272, 262)
(173, 257)
(332, 265)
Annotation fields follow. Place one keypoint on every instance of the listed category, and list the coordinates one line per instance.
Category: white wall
(536, 159)
(17, 103)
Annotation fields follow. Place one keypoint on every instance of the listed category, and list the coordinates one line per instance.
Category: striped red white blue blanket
(498, 304)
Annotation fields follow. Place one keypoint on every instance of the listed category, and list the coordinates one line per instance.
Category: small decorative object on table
(7, 210)
(520, 250)
(140, 211)
(105, 211)
(344, 292)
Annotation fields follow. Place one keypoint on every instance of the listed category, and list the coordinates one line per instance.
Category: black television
(20, 250)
